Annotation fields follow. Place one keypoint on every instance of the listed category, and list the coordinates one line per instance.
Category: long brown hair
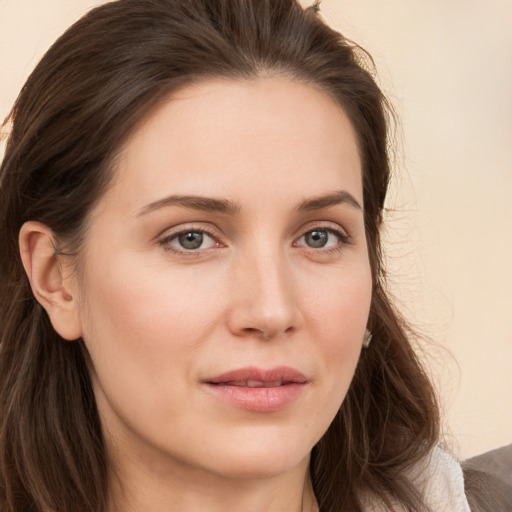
(82, 100)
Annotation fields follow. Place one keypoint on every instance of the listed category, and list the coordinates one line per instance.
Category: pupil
(191, 240)
(316, 238)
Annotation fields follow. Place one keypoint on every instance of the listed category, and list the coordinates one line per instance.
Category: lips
(252, 383)
(258, 390)
(253, 377)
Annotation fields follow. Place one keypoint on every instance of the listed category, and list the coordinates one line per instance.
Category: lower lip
(259, 399)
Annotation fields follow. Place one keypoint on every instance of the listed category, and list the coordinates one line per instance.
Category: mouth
(258, 390)
(252, 383)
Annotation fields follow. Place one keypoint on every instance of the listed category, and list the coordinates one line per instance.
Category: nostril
(258, 333)
(266, 334)
(252, 330)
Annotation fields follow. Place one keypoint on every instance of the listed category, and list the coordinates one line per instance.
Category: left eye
(320, 238)
(191, 240)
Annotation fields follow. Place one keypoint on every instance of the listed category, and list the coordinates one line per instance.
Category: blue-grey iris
(191, 240)
(316, 238)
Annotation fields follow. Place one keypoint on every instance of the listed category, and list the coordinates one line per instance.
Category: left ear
(45, 272)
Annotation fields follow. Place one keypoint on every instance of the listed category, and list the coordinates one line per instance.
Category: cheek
(134, 301)
(339, 306)
(142, 329)
(338, 317)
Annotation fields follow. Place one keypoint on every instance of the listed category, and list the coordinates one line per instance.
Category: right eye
(188, 241)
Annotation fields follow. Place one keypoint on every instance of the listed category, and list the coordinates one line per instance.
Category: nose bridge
(265, 299)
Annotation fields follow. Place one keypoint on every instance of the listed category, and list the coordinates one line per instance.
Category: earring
(367, 339)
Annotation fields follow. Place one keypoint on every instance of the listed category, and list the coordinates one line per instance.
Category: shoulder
(441, 482)
(438, 479)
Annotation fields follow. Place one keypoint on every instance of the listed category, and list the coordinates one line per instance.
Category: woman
(192, 193)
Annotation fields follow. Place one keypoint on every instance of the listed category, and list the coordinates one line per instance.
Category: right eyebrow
(205, 204)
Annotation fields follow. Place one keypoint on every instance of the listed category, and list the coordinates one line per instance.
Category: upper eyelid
(184, 228)
(327, 225)
(336, 231)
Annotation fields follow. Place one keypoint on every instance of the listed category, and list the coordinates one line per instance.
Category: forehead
(209, 137)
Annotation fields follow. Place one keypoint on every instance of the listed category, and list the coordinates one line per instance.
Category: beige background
(447, 66)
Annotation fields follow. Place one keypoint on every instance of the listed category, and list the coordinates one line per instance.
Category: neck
(136, 488)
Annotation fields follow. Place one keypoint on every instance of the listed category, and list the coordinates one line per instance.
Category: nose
(264, 298)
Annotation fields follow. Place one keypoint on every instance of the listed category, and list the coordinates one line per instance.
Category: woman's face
(226, 282)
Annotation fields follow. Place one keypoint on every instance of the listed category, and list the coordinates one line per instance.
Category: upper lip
(255, 377)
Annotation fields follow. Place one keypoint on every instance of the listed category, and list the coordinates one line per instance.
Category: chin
(260, 455)
(260, 466)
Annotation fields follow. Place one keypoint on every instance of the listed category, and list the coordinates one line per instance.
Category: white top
(441, 483)
(444, 485)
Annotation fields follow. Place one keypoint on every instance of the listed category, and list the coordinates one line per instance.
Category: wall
(447, 66)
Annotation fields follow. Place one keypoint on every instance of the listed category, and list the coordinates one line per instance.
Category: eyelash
(343, 240)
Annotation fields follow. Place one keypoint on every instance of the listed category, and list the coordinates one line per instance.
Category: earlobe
(46, 275)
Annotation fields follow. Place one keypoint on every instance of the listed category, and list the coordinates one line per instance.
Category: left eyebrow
(327, 200)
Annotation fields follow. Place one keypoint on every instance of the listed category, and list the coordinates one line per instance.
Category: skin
(159, 319)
